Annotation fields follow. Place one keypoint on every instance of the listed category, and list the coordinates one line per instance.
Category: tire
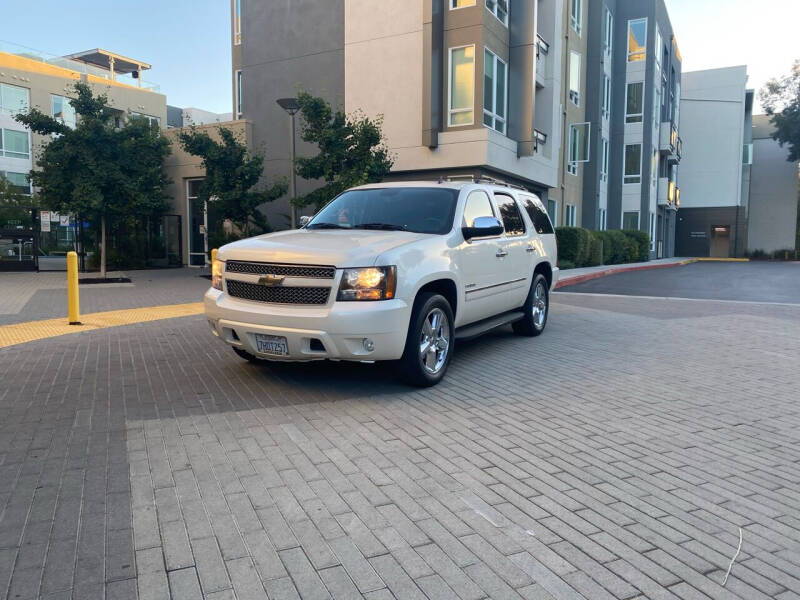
(536, 308)
(426, 367)
(247, 356)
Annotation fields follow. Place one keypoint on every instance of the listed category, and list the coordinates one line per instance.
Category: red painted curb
(607, 272)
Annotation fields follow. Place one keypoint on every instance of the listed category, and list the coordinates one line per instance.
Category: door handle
(501, 253)
(530, 249)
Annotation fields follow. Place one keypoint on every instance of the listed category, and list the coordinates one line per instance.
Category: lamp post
(291, 106)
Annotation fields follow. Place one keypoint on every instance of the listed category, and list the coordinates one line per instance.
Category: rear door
(515, 261)
(544, 240)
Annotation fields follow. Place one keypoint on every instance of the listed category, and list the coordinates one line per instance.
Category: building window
(630, 220)
(604, 160)
(15, 144)
(633, 163)
(461, 3)
(495, 84)
(652, 232)
(18, 182)
(747, 154)
(634, 102)
(578, 150)
(657, 50)
(606, 107)
(576, 15)
(63, 111)
(637, 40)
(608, 33)
(654, 169)
(238, 94)
(149, 118)
(462, 85)
(552, 211)
(237, 22)
(571, 215)
(575, 78)
(499, 8)
(13, 99)
(601, 225)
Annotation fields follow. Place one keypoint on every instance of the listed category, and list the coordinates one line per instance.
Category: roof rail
(480, 179)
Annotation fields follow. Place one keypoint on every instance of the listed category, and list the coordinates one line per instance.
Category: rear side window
(538, 214)
(509, 212)
(478, 205)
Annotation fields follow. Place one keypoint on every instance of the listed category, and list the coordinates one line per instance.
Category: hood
(336, 247)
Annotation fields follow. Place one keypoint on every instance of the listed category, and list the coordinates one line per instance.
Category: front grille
(258, 268)
(278, 294)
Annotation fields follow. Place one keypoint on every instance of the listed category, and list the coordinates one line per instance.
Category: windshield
(421, 210)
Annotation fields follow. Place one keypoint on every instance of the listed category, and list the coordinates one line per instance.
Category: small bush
(615, 246)
(595, 250)
(565, 264)
(641, 241)
(573, 245)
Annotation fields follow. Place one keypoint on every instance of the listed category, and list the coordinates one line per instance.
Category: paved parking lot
(617, 456)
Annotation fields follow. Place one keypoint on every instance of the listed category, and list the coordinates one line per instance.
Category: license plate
(271, 344)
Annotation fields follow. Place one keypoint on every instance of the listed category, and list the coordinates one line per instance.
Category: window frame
(652, 231)
(631, 212)
(629, 116)
(491, 113)
(239, 84)
(493, 11)
(625, 175)
(571, 215)
(574, 94)
(450, 110)
(554, 215)
(509, 199)
(4, 151)
(576, 16)
(638, 55)
(237, 22)
(604, 159)
(453, 2)
(601, 218)
(11, 111)
(27, 182)
(608, 34)
(66, 100)
(605, 107)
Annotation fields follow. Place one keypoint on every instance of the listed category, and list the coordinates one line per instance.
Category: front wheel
(429, 343)
(536, 307)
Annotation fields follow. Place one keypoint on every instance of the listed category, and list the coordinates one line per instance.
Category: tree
(232, 173)
(97, 171)
(781, 99)
(351, 150)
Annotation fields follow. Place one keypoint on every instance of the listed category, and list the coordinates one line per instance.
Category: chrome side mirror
(304, 220)
(483, 227)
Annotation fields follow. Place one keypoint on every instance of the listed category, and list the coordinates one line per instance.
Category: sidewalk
(573, 276)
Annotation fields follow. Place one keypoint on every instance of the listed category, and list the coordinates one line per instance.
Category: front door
(720, 241)
(197, 224)
(480, 263)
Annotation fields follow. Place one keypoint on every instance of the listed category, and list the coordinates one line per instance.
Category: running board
(475, 329)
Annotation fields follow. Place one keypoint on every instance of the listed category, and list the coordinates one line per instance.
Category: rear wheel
(429, 343)
(246, 355)
(536, 307)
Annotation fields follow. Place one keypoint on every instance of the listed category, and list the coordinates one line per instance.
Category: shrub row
(579, 247)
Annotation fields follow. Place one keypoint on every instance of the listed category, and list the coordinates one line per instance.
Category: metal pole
(293, 181)
(73, 307)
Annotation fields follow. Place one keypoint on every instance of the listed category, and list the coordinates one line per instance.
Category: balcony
(542, 50)
(666, 191)
(669, 142)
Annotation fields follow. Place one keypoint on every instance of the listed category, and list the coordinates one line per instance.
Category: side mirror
(304, 220)
(483, 227)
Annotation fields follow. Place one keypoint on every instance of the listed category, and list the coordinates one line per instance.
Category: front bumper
(340, 327)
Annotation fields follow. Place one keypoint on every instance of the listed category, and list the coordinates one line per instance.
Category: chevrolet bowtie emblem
(271, 280)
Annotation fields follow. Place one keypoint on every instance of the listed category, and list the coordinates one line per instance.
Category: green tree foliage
(97, 171)
(351, 150)
(232, 173)
(14, 206)
(781, 99)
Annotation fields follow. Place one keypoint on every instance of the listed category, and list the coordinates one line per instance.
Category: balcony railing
(539, 139)
(75, 65)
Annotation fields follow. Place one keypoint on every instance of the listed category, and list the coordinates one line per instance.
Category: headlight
(370, 283)
(217, 269)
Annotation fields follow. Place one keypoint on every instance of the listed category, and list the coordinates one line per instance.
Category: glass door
(197, 224)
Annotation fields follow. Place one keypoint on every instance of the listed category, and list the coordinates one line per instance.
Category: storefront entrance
(18, 239)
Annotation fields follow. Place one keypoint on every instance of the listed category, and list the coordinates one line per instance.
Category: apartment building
(465, 87)
(717, 115)
(633, 108)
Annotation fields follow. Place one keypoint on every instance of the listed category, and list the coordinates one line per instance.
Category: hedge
(579, 247)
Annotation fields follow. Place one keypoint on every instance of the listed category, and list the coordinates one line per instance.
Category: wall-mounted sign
(44, 219)
(697, 234)
(63, 220)
(54, 216)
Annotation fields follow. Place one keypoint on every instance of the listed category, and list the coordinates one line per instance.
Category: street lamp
(291, 106)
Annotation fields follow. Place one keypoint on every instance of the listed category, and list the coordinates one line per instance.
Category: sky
(188, 41)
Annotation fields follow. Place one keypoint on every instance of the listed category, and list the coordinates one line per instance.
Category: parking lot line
(19, 333)
(601, 295)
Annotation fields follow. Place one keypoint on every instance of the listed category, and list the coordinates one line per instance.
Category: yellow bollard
(73, 306)
(213, 255)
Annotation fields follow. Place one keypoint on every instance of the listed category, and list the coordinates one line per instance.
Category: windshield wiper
(326, 226)
(386, 226)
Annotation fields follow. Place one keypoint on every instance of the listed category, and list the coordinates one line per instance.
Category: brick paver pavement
(616, 456)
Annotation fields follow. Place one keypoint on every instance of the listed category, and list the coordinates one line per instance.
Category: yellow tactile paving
(19, 333)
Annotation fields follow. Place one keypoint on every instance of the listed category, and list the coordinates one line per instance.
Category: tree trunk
(103, 247)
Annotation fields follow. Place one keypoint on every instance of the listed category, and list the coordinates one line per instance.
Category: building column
(522, 74)
(432, 71)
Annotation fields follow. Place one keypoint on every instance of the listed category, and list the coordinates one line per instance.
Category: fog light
(368, 344)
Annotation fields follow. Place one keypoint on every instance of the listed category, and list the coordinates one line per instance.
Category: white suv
(393, 271)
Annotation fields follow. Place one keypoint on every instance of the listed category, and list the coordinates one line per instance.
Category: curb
(645, 267)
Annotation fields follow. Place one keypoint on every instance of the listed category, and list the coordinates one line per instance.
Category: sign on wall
(44, 219)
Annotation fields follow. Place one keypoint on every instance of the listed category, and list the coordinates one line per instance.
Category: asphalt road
(749, 282)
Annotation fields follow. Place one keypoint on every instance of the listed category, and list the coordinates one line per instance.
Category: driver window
(477, 205)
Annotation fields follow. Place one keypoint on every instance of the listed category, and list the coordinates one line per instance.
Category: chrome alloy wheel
(434, 341)
(539, 305)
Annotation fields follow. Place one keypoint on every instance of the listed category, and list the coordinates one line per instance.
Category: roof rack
(480, 179)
